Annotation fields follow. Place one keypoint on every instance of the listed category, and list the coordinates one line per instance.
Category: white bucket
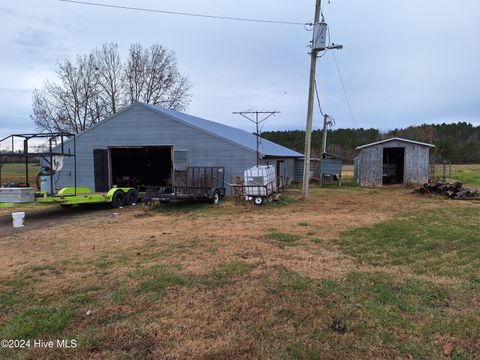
(18, 219)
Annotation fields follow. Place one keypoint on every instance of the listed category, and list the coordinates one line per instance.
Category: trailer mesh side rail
(197, 183)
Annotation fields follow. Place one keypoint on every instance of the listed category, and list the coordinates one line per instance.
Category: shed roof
(231, 134)
(395, 139)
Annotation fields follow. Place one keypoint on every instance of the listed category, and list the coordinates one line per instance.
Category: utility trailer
(194, 184)
(49, 147)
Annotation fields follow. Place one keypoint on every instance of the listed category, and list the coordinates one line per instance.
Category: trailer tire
(216, 198)
(131, 197)
(118, 199)
(258, 200)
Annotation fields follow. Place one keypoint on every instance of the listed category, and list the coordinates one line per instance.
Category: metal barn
(392, 161)
(148, 145)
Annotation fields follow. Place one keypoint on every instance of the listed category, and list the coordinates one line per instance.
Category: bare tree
(70, 104)
(99, 84)
(110, 76)
(152, 77)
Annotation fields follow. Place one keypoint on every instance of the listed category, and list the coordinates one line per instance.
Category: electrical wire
(341, 81)
(185, 13)
(344, 90)
(318, 99)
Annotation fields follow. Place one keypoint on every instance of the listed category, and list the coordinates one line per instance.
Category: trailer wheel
(258, 200)
(131, 197)
(216, 198)
(118, 199)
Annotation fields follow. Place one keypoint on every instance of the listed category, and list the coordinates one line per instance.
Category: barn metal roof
(231, 134)
(394, 139)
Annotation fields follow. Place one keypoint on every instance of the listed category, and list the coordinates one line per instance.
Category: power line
(184, 13)
(344, 89)
(318, 98)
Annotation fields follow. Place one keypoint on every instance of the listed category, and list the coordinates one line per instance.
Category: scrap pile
(453, 191)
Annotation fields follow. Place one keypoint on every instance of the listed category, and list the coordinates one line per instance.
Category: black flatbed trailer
(195, 184)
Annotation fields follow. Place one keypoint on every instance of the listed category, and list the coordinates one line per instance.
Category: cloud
(15, 111)
(403, 63)
(40, 45)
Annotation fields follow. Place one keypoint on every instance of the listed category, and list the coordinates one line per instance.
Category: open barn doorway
(393, 165)
(141, 166)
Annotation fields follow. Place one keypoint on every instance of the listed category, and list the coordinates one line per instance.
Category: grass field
(15, 172)
(468, 174)
(349, 274)
(353, 273)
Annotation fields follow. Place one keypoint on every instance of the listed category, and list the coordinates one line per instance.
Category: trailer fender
(71, 191)
(112, 192)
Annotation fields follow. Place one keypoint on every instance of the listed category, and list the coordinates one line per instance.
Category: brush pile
(453, 191)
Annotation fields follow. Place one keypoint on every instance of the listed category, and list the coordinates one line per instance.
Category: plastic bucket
(18, 219)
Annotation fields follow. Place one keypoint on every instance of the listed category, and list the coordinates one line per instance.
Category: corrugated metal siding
(314, 169)
(370, 163)
(140, 126)
(330, 167)
(287, 167)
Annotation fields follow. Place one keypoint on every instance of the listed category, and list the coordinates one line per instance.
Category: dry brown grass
(235, 232)
(87, 259)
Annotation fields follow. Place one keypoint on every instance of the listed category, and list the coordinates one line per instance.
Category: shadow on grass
(183, 207)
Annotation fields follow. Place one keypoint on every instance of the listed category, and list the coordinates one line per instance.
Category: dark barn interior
(141, 166)
(393, 165)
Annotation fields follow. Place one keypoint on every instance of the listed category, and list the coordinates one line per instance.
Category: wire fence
(440, 169)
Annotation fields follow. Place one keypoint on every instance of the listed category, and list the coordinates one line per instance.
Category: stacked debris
(453, 191)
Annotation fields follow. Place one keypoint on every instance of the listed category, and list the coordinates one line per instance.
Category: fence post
(444, 170)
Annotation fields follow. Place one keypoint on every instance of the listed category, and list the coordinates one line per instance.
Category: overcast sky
(404, 62)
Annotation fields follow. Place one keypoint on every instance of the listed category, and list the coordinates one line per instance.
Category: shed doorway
(393, 165)
(141, 166)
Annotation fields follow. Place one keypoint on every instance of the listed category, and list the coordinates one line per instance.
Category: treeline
(458, 143)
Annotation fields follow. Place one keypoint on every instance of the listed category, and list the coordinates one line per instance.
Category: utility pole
(326, 123)
(318, 44)
(311, 90)
(257, 121)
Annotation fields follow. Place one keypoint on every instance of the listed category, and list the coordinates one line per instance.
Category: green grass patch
(304, 224)
(156, 279)
(223, 273)
(289, 280)
(365, 315)
(36, 321)
(436, 242)
(120, 296)
(317, 241)
(469, 175)
(284, 238)
(8, 300)
(284, 200)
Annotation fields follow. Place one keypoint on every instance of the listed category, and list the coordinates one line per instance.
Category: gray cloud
(403, 63)
(41, 46)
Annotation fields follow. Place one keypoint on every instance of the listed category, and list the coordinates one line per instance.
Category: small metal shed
(392, 161)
